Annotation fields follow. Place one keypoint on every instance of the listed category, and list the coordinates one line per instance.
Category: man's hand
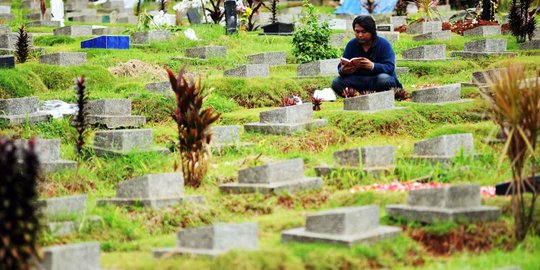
(364, 63)
(348, 68)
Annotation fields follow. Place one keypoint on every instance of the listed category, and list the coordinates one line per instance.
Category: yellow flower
(248, 11)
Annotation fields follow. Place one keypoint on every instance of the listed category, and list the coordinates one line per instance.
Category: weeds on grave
(429, 9)
(349, 92)
(193, 123)
(522, 21)
(370, 5)
(22, 46)
(20, 226)
(317, 102)
(514, 104)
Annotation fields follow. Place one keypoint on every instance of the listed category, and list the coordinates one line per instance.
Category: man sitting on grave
(368, 62)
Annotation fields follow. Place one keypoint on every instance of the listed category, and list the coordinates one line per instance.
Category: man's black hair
(367, 23)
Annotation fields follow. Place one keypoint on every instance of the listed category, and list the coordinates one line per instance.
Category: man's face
(361, 34)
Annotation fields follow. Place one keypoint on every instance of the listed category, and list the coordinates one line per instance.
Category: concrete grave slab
(48, 153)
(82, 256)
(424, 27)
(60, 207)
(320, 68)
(483, 31)
(530, 45)
(444, 148)
(444, 94)
(286, 120)
(425, 53)
(249, 71)
(371, 102)
(270, 58)
(441, 35)
(16, 111)
(63, 58)
(74, 31)
(9, 41)
(162, 88)
(206, 52)
(150, 36)
(125, 141)
(226, 136)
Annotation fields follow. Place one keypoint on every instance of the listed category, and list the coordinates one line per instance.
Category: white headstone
(57, 10)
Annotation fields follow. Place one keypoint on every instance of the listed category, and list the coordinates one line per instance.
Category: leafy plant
(489, 7)
(401, 8)
(193, 123)
(215, 12)
(400, 94)
(311, 40)
(273, 9)
(521, 20)
(163, 5)
(18, 211)
(429, 8)
(514, 104)
(22, 46)
(80, 121)
(254, 6)
(288, 101)
(317, 102)
(370, 5)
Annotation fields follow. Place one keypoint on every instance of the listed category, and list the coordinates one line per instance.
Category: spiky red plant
(43, 8)
(193, 124)
(80, 121)
(400, 94)
(288, 101)
(316, 103)
(366, 92)
(349, 92)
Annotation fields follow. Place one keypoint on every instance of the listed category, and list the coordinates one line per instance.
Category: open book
(345, 61)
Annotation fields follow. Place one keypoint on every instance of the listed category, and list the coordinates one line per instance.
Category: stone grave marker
(212, 240)
(277, 177)
(345, 226)
(371, 102)
(63, 214)
(113, 113)
(74, 31)
(153, 191)
(440, 35)
(194, 16)
(424, 27)
(397, 21)
(74, 5)
(444, 148)
(113, 6)
(88, 18)
(7, 61)
(107, 42)
(125, 141)
(206, 52)
(5, 9)
(162, 88)
(444, 94)
(82, 256)
(249, 71)
(286, 120)
(17, 111)
(270, 58)
(484, 48)
(483, 31)
(9, 41)
(390, 36)
(4, 29)
(319, 68)
(107, 31)
(485, 76)
(30, 4)
(425, 53)
(48, 153)
(530, 45)
(445, 204)
(44, 24)
(150, 36)
(226, 136)
(129, 19)
(376, 161)
(63, 58)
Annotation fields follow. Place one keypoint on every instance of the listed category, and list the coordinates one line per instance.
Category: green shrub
(19, 83)
(52, 40)
(156, 108)
(311, 41)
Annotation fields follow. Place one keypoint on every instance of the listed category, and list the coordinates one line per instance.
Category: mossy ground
(127, 236)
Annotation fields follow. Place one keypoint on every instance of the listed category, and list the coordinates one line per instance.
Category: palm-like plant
(80, 122)
(193, 124)
(22, 46)
(215, 12)
(515, 107)
(429, 8)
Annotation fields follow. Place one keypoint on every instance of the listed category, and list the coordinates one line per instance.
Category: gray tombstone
(60, 207)
(162, 88)
(438, 94)
(249, 71)
(277, 177)
(150, 36)
(48, 152)
(455, 203)
(81, 256)
(225, 135)
(286, 120)
(425, 53)
(486, 76)
(441, 35)
(206, 52)
(444, 148)
(346, 226)
(483, 31)
(269, 58)
(424, 27)
(88, 18)
(376, 161)
(336, 40)
(107, 31)
(125, 141)
(194, 16)
(74, 31)
(319, 68)
(152, 190)
(378, 158)
(371, 102)
(16, 111)
(390, 36)
(484, 48)
(113, 113)
(9, 41)
(530, 45)
(212, 240)
(347, 158)
(397, 21)
(63, 58)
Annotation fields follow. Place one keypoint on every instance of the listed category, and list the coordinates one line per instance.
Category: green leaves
(311, 41)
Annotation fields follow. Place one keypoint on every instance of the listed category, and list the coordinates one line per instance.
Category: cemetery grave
(417, 176)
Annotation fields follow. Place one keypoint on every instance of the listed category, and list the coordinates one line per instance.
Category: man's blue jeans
(381, 82)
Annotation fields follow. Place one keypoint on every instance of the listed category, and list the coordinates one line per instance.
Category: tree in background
(521, 20)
